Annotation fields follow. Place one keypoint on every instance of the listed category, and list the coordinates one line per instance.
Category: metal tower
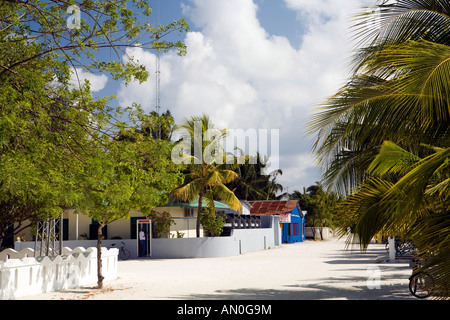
(158, 91)
(158, 83)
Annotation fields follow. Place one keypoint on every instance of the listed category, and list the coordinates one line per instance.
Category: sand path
(309, 270)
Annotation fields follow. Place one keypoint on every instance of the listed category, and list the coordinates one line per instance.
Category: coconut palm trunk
(199, 213)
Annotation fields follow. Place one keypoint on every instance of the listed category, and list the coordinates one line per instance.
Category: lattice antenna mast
(158, 84)
(158, 91)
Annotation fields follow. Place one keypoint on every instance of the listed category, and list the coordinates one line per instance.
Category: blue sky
(274, 16)
(251, 64)
(277, 19)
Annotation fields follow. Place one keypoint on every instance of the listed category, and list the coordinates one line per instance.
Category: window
(188, 212)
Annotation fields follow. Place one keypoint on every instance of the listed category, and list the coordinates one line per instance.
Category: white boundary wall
(240, 242)
(21, 274)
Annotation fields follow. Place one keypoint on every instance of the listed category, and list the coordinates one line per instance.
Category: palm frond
(188, 192)
(402, 21)
(442, 189)
(392, 158)
(226, 195)
(365, 207)
(415, 183)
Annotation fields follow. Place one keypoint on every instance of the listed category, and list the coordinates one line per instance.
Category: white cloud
(97, 82)
(299, 171)
(243, 77)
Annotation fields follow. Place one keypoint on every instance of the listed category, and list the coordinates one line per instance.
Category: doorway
(143, 239)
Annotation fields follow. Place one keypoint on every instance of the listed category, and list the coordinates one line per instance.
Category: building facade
(76, 226)
(290, 215)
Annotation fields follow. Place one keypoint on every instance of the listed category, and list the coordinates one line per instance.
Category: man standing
(142, 243)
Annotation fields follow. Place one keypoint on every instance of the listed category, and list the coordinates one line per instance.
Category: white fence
(21, 274)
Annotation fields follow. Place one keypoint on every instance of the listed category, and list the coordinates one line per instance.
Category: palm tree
(158, 126)
(384, 137)
(206, 180)
(153, 125)
(319, 204)
(252, 184)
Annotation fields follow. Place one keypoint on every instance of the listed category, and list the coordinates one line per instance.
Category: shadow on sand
(330, 288)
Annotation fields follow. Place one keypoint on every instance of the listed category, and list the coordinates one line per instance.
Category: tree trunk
(99, 256)
(199, 214)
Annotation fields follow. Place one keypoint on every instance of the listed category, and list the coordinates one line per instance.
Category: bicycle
(421, 285)
(124, 254)
(406, 247)
(402, 248)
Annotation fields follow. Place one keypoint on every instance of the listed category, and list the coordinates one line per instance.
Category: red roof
(268, 208)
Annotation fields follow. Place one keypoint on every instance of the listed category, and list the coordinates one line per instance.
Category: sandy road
(309, 270)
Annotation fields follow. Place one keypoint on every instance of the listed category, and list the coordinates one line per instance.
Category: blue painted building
(293, 226)
(291, 218)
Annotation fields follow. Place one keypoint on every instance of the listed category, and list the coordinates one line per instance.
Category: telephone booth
(144, 238)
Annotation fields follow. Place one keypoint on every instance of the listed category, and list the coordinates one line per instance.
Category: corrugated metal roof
(268, 208)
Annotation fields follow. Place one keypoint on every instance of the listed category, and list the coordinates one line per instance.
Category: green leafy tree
(212, 222)
(126, 176)
(162, 221)
(90, 34)
(44, 129)
(58, 145)
(47, 123)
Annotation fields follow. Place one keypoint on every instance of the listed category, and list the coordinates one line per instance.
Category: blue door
(285, 233)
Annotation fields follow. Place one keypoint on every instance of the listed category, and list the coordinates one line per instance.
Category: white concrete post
(18, 245)
(391, 249)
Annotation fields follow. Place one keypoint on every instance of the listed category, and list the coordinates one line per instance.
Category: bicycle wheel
(124, 254)
(421, 285)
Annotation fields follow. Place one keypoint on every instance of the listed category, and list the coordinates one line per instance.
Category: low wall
(21, 274)
(130, 244)
(240, 242)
